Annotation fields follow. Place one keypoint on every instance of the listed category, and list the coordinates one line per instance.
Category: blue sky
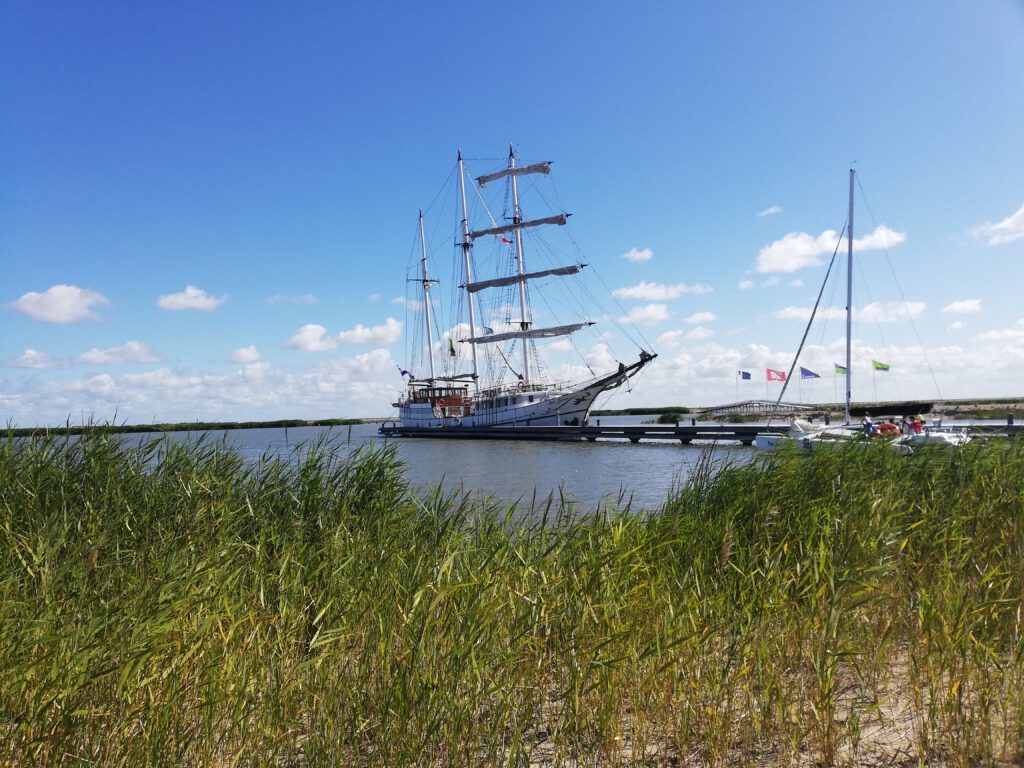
(186, 187)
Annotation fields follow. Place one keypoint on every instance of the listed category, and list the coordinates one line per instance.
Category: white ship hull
(427, 406)
(541, 408)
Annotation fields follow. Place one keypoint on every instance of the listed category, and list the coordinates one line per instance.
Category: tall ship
(489, 369)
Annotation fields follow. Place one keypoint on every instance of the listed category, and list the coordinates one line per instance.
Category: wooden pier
(741, 433)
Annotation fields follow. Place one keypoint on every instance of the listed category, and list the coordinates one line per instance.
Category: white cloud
(360, 379)
(638, 255)
(31, 358)
(648, 314)
(883, 237)
(246, 355)
(559, 345)
(305, 298)
(670, 339)
(657, 292)
(889, 311)
(955, 326)
(771, 281)
(701, 317)
(696, 373)
(373, 297)
(963, 307)
(312, 338)
(770, 211)
(410, 303)
(362, 385)
(794, 251)
(129, 352)
(745, 285)
(798, 250)
(804, 314)
(1006, 231)
(190, 298)
(61, 304)
(798, 283)
(876, 312)
(380, 334)
(1007, 334)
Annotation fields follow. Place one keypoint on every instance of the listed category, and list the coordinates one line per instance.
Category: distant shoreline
(184, 426)
(978, 408)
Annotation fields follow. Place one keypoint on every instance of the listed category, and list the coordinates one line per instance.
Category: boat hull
(538, 408)
(903, 408)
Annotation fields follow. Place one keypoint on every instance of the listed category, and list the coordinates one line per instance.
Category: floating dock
(741, 433)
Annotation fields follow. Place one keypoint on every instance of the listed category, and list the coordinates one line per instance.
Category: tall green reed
(173, 604)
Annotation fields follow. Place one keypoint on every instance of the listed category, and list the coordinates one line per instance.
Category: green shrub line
(181, 426)
(172, 604)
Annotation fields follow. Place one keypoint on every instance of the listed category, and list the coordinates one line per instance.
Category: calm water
(592, 474)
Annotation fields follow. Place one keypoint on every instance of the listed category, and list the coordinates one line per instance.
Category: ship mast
(466, 246)
(524, 322)
(426, 299)
(849, 296)
(526, 330)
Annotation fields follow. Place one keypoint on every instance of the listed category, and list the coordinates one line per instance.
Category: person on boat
(867, 425)
(918, 425)
(888, 429)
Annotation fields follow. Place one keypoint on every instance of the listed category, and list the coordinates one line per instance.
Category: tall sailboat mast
(524, 318)
(849, 297)
(466, 246)
(426, 298)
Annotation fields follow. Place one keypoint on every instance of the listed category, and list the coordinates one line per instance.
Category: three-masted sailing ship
(522, 395)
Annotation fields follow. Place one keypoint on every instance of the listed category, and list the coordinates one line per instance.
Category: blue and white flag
(745, 375)
(807, 373)
(488, 330)
(404, 372)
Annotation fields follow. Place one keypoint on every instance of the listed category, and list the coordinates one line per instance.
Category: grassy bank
(170, 605)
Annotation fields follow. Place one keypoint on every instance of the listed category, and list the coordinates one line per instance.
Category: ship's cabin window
(531, 398)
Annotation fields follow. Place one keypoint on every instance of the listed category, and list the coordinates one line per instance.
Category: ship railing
(520, 388)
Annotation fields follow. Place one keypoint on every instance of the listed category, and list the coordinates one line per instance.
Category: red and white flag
(774, 375)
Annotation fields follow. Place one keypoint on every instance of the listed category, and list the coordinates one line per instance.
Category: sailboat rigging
(807, 434)
(470, 398)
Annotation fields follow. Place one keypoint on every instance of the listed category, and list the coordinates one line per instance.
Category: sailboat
(516, 392)
(807, 435)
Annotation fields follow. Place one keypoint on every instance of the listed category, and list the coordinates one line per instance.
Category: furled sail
(544, 167)
(500, 282)
(560, 220)
(532, 333)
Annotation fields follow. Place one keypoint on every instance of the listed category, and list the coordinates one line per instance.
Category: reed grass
(171, 604)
